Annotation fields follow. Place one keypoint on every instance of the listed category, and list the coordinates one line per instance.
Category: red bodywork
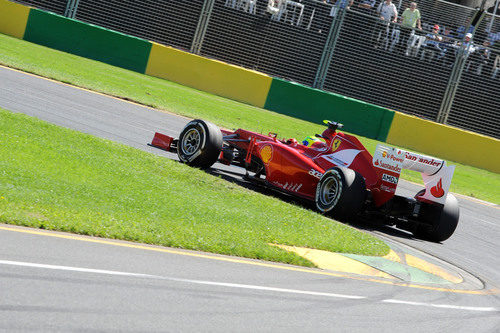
(296, 169)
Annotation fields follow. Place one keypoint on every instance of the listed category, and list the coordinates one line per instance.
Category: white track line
(446, 306)
(240, 286)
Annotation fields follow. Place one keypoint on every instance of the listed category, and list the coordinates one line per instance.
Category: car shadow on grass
(370, 225)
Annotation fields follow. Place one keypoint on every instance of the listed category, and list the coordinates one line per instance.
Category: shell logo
(266, 153)
(384, 154)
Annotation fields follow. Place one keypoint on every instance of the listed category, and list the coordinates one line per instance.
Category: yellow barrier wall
(445, 141)
(208, 75)
(13, 18)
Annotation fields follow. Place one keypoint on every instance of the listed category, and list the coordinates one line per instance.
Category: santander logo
(437, 191)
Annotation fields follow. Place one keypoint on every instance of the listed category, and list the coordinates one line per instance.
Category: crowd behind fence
(445, 69)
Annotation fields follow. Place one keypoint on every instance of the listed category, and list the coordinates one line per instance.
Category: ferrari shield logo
(336, 144)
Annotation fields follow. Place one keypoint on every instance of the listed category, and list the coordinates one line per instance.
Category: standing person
(387, 12)
(409, 20)
(464, 29)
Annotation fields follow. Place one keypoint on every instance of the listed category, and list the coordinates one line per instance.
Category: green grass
(56, 178)
(182, 100)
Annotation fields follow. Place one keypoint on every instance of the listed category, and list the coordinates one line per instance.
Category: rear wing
(389, 161)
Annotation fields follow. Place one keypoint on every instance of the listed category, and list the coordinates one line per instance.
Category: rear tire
(440, 221)
(200, 144)
(341, 192)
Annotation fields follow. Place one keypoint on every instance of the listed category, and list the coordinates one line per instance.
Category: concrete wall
(445, 141)
(316, 105)
(209, 75)
(87, 40)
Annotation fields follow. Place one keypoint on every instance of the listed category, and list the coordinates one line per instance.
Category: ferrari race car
(333, 170)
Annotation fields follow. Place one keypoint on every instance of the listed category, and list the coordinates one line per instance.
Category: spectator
(447, 41)
(366, 6)
(493, 37)
(465, 48)
(409, 20)
(432, 43)
(480, 57)
(461, 30)
(468, 44)
(387, 12)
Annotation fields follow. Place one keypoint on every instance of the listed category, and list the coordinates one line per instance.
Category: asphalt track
(64, 283)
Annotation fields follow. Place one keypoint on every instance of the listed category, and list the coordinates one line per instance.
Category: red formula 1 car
(333, 170)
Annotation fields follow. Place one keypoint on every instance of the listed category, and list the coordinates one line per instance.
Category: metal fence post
(456, 73)
(71, 8)
(329, 48)
(201, 28)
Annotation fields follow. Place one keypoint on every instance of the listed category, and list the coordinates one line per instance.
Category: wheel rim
(191, 141)
(329, 192)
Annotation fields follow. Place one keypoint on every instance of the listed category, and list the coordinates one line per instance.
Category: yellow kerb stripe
(335, 262)
(432, 269)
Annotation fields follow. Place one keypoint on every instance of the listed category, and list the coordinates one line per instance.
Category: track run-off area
(63, 282)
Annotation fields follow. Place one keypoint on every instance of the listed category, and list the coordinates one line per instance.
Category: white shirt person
(387, 11)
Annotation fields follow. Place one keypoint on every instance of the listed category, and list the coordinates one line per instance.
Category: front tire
(200, 144)
(341, 192)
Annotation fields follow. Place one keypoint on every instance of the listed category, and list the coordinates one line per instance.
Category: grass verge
(182, 100)
(59, 179)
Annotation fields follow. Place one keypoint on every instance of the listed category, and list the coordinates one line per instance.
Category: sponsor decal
(315, 173)
(266, 153)
(389, 179)
(387, 166)
(393, 157)
(343, 158)
(293, 187)
(423, 160)
(388, 159)
(387, 188)
(336, 144)
(437, 191)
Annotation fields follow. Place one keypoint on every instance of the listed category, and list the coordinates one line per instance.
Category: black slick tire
(439, 221)
(341, 192)
(200, 144)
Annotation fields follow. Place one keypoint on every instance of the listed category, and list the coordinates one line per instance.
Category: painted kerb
(212, 76)
(87, 40)
(445, 141)
(13, 18)
(315, 105)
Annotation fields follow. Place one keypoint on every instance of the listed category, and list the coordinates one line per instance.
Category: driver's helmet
(310, 140)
